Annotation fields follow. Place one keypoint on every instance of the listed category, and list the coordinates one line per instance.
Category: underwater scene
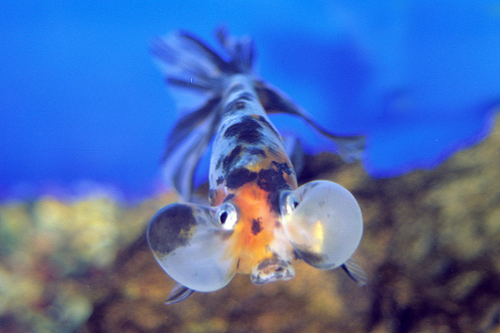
(184, 152)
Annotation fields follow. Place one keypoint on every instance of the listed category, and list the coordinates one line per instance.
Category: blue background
(81, 99)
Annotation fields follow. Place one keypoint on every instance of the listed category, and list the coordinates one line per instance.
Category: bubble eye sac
(325, 226)
(227, 215)
(190, 245)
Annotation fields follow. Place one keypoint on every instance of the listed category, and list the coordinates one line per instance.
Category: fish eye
(227, 216)
(288, 202)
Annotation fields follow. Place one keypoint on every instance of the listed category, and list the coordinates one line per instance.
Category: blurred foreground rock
(431, 248)
(55, 254)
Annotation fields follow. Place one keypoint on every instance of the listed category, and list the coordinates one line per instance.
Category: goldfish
(257, 220)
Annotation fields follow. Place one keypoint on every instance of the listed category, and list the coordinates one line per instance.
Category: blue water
(81, 99)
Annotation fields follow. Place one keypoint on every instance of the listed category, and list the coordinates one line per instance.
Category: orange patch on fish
(255, 229)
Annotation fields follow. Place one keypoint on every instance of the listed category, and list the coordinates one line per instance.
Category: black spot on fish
(171, 228)
(246, 131)
(311, 258)
(250, 137)
(219, 162)
(256, 151)
(284, 167)
(273, 181)
(265, 122)
(256, 226)
(273, 149)
(219, 180)
(239, 177)
(230, 160)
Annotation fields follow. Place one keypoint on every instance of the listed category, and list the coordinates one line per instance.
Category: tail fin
(191, 67)
(350, 148)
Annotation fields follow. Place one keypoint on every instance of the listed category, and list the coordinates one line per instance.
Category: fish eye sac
(227, 216)
(325, 228)
(288, 202)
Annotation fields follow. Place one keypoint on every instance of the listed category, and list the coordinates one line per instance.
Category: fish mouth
(272, 269)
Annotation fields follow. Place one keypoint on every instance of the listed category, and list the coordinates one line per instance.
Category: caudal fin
(350, 148)
(195, 74)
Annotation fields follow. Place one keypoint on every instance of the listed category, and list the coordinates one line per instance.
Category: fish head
(203, 247)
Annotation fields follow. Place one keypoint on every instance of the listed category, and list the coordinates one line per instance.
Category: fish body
(249, 167)
(257, 221)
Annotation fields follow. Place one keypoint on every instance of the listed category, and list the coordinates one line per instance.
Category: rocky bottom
(431, 248)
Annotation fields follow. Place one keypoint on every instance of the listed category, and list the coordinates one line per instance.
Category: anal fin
(355, 272)
(178, 294)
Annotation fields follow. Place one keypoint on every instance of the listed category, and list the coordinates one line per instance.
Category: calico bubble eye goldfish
(257, 220)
